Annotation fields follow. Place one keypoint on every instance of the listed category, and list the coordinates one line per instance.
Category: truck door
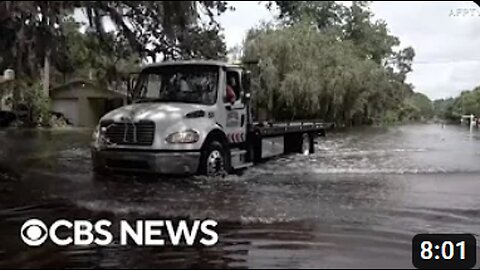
(235, 109)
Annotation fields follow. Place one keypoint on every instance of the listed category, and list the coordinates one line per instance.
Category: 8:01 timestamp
(447, 250)
(444, 251)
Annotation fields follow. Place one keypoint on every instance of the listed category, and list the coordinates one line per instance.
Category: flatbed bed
(281, 128)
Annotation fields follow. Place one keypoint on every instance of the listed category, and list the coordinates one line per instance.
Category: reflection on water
(356, 202)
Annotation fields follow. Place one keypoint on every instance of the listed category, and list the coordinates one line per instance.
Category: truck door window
(233, 82)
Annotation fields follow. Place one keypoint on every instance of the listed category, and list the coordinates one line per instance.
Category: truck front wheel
(213, 160)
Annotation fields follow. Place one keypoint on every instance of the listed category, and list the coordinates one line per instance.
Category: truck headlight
(187, 136)
(98, 139)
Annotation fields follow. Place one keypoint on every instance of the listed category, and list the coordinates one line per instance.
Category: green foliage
(355, 23)
(161, 28)
(420, 108)
(331, 61)
(89, 58)
(31, 30)
(36, 102)
(389, 118)
(468, 102)
(37, 32)
(307, 73)
(415, 108)
(442, 106)
(322, 14)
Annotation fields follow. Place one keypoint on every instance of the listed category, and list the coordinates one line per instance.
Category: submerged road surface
(357, 202)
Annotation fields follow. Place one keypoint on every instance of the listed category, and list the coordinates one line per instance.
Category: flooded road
(357, 202)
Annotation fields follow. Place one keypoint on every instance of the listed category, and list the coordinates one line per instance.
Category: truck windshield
(186, 84)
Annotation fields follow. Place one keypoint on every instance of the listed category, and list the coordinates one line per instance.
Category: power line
(445, 61)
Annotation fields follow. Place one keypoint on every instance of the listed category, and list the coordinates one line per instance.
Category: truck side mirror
(246, 97)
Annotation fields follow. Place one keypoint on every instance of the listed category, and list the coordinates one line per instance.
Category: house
(83, 103)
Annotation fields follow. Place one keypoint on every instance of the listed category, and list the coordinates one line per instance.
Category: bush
(390, 118)
(36, 103)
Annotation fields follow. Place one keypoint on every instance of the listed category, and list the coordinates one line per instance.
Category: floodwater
(357, 202)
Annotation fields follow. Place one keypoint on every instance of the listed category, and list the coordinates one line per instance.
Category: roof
(72, 83)
(193, 62)
(88, 83)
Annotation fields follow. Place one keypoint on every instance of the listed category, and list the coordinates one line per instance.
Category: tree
(30, 30)
(371, 38)
(40, 35)
(442, 107)
(322, 14)
(164, 28)
(467, 103)
(422, 107)
(86, 57)
(169, 29)
(334, 63)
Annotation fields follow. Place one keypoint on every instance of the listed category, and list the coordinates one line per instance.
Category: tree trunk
(2, 93)
(18, 68)
(46, 74)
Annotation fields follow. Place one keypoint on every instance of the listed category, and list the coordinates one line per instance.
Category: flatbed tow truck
(182, 121)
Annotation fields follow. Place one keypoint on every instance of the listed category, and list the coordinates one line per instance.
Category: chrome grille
(138, 133)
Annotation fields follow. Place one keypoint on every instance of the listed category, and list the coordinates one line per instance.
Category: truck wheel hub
(214, 163)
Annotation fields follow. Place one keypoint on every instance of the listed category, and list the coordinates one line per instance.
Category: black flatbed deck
(281, 128)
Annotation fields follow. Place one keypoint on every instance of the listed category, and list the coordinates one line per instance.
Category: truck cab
(182, 120)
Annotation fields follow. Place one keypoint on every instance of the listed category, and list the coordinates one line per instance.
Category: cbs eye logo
(34, 232)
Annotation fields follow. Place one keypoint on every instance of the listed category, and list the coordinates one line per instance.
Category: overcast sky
(445, 36)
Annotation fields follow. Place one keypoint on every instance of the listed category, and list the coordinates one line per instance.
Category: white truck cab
(179, 122)
(182, 121)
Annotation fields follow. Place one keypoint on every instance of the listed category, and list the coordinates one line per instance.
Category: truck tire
(307, 147)
(252, 155)
(213, 161)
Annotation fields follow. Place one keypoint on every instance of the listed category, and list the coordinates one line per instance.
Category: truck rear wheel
(213, 160)
(307, 144)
